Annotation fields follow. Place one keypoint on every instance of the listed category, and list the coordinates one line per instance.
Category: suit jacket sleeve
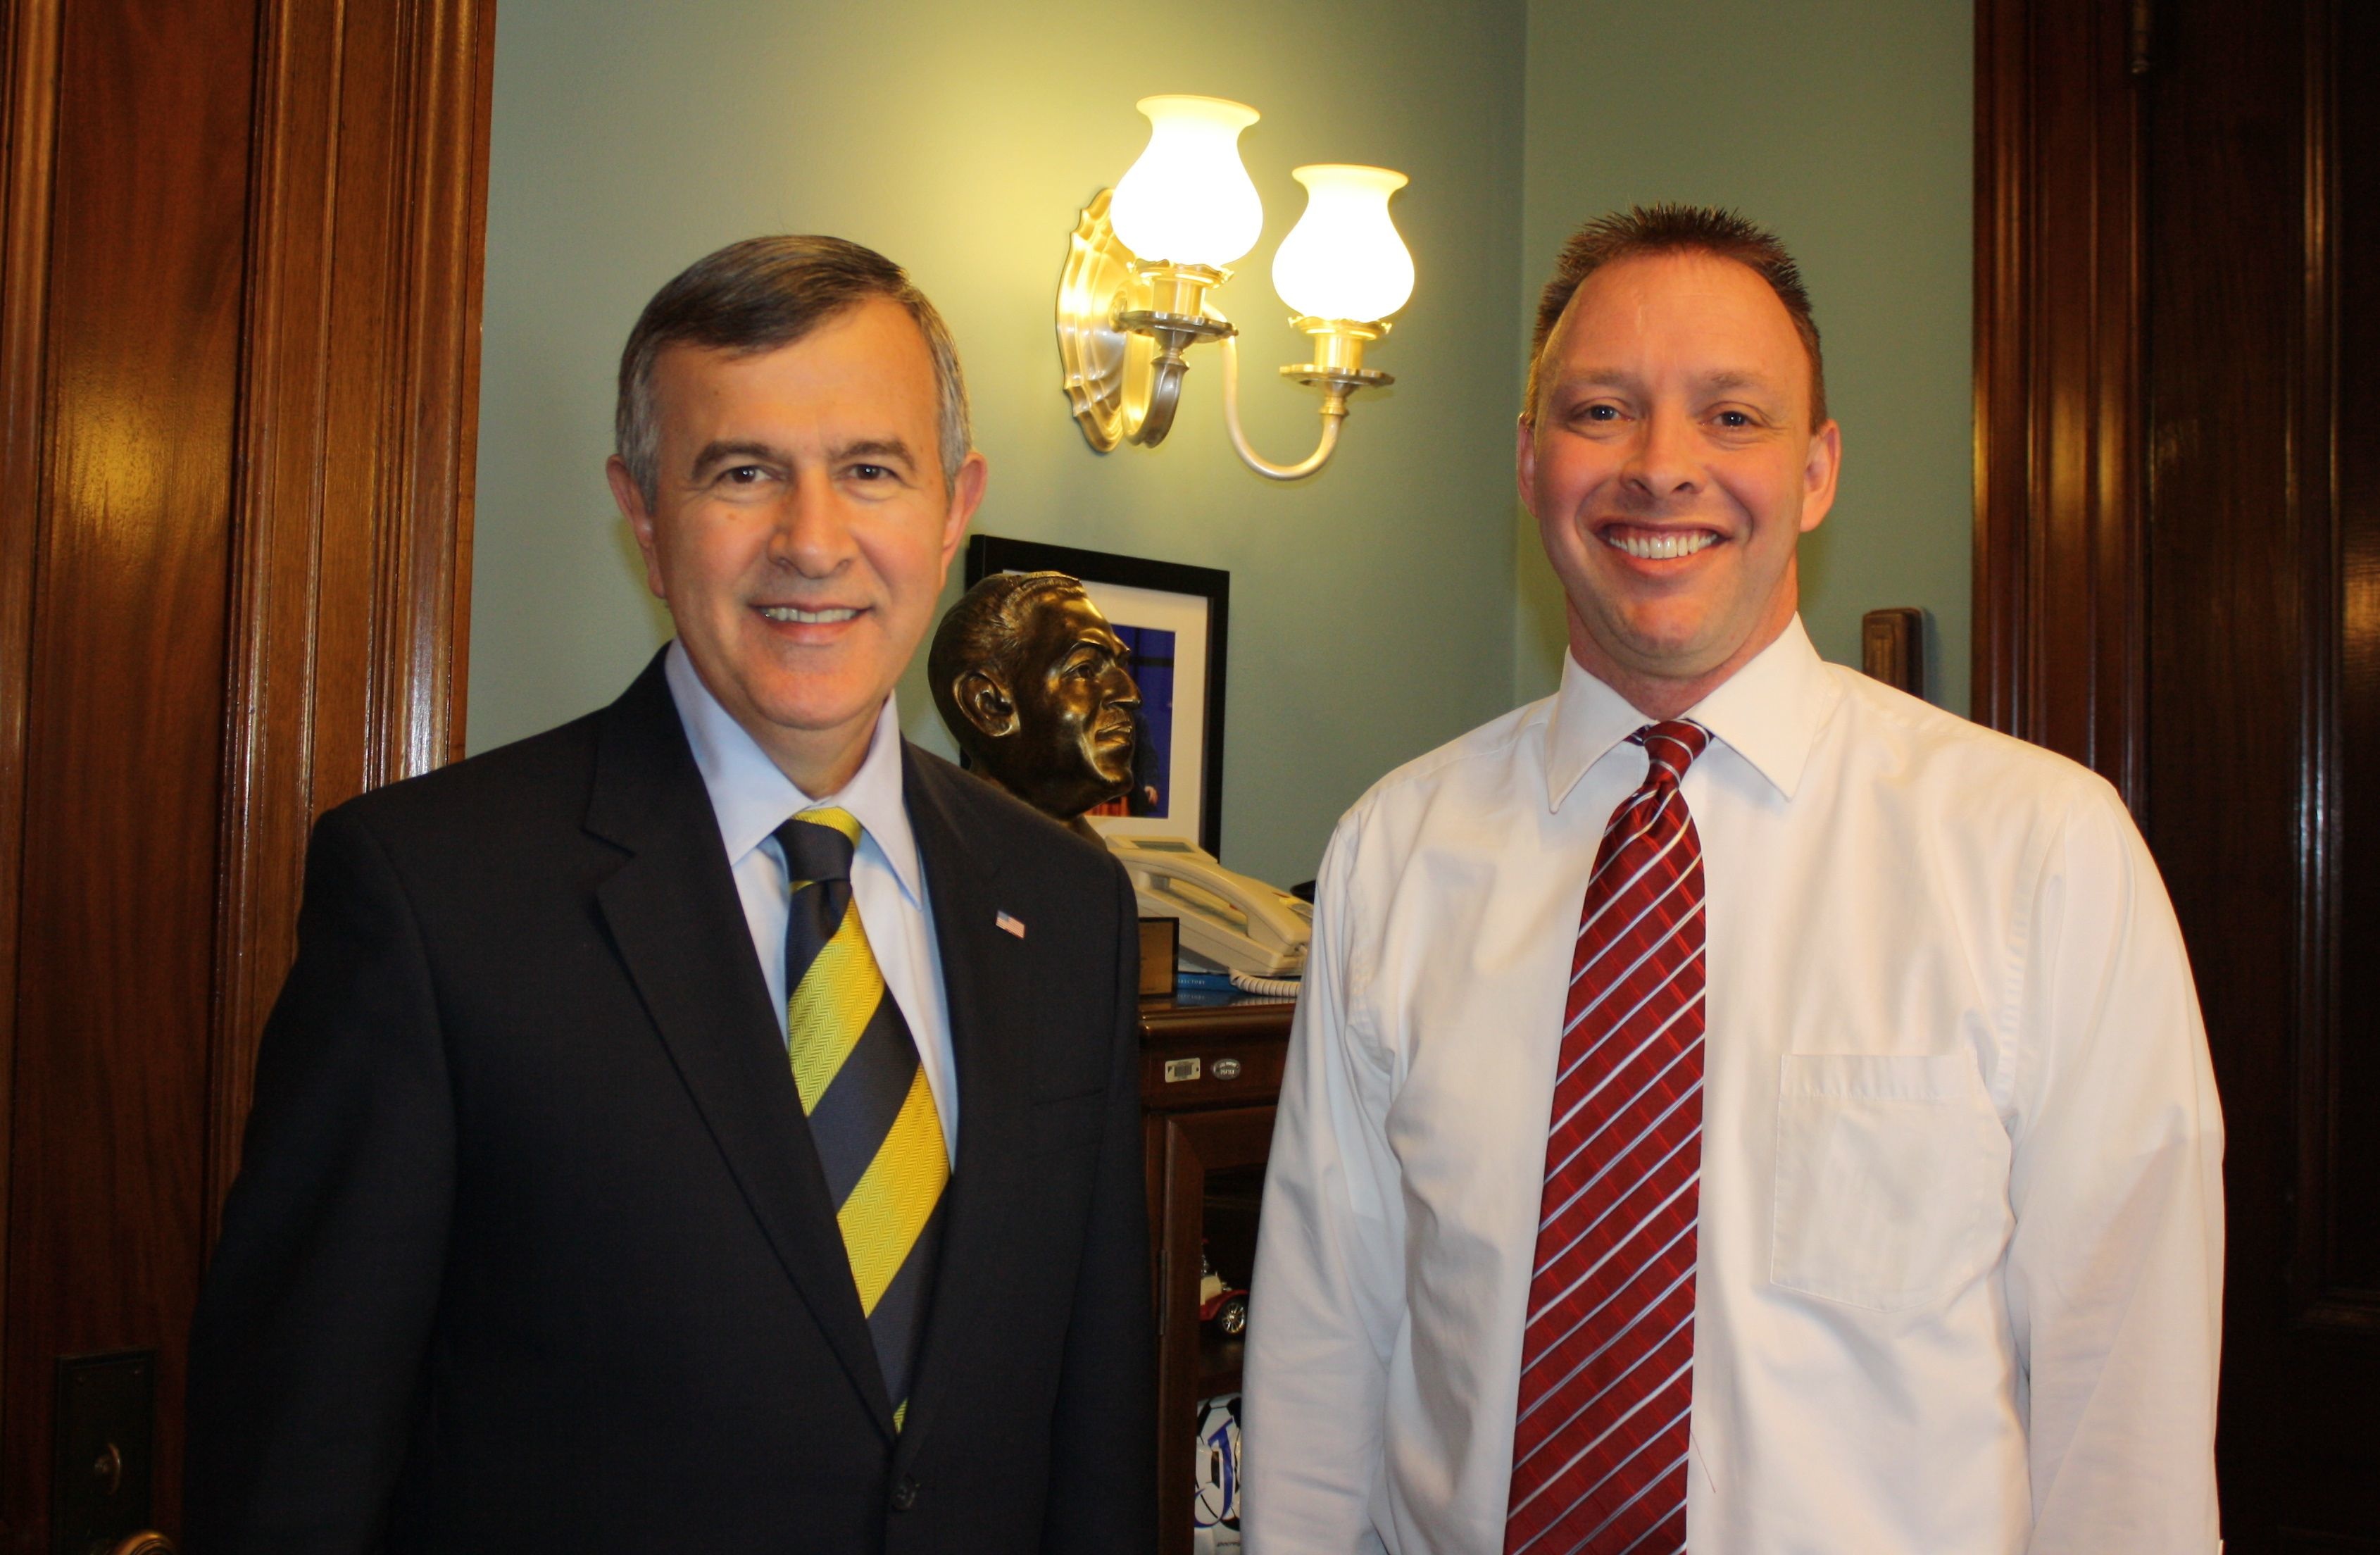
(1103, 1496)
(307, 1354)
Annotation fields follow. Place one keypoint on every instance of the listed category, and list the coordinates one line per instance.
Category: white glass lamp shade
(1188, 200)
(1344, 260)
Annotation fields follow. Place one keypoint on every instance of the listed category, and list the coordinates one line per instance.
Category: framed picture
(1173, 617)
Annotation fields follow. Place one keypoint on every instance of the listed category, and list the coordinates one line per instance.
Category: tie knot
(1670, 747)
(818, 843)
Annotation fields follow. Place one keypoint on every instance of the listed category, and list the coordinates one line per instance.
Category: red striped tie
(1607, 1360)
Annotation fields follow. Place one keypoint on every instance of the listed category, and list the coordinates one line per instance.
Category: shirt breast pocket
(1891, 1182)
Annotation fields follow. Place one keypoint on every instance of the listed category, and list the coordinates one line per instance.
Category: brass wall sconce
(1126, 320)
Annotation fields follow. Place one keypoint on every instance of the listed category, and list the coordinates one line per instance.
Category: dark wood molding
(2057, 595)
(1893, 647)
(353, 515)
(29, 116)
(2315, 1020)
(2324, 1023)
(2178, 581)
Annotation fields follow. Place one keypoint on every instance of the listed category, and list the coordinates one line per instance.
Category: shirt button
(904, 1494)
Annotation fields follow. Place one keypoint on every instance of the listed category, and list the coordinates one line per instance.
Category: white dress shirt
(1961, 1230)
(752, 797)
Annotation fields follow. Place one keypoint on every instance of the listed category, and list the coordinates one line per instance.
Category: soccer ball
(1215, 1511)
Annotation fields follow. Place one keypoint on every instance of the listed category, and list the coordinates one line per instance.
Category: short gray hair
(757, 296)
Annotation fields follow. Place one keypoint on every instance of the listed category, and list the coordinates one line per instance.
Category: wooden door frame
(2067, 459)
(2057, 595)
(353, 447)
(359, 436)
(2059, 573)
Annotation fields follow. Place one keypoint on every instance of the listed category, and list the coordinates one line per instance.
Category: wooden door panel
(2342, 1193)
(2228, 222)
(125, 739)
(239, 261)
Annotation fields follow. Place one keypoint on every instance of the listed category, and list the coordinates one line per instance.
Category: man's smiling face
(802, 528)
(1671, 468)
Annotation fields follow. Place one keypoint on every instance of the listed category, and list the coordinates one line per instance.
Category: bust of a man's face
(1046, 706)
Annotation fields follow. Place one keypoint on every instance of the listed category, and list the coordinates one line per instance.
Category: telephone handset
(1241, 924)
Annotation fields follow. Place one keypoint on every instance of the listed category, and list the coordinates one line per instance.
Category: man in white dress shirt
(1906, 1234)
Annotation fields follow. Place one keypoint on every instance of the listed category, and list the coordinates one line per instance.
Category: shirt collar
(1769, 712)
(752, 797)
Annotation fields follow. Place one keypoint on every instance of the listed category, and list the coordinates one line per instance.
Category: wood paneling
(2056, 639)
(122, 767)
(29, 116)
(239, 333)
(367, 225)
(2236, 526)
(2339, 1173)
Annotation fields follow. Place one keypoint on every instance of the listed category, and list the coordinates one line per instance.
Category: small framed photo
(1173, 618)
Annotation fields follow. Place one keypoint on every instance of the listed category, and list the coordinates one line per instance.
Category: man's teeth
(1661, 548)
(807, 617)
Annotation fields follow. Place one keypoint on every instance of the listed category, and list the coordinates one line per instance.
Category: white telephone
(1240, 924)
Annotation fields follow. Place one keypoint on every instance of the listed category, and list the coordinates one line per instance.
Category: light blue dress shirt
(752, 797)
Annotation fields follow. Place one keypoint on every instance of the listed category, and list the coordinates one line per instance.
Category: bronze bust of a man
(1034, 685)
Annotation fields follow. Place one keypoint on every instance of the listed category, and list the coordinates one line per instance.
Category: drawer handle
(1227, 1069)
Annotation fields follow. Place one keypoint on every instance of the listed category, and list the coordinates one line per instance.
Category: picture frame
(1176, 618)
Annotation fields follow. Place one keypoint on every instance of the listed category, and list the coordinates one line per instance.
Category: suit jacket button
(904, 1494)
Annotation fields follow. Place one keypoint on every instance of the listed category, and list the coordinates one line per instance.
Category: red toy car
(1218, 1303)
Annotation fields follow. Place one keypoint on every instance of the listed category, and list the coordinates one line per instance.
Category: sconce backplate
(1094, 352)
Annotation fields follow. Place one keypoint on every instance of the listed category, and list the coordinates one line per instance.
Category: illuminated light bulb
(1344, 260)
(1188, 201)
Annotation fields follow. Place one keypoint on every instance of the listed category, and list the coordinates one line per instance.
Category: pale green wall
(1848, 125)
(1379, 609)
(1372, 607)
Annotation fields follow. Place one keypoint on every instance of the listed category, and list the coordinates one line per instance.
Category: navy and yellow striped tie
(870, 1111)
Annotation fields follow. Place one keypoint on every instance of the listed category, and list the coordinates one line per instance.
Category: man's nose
(813, 532)
(1662, 463)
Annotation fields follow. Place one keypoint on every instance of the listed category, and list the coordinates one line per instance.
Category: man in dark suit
(711, 1125)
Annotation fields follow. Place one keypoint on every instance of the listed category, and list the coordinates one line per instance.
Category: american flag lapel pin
(1013, 925)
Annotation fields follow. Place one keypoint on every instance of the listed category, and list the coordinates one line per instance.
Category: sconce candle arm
(1334, 413)
(1148, 406)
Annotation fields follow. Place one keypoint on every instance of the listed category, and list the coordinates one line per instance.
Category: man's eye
(870, 472)
(1734, 418)
(746, 475)
(1599, 413)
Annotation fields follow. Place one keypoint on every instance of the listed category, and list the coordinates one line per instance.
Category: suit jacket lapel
(679, 928)
(985, 988)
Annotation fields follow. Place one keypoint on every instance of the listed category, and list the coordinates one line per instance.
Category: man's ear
(1525, 462)
(640, 520)
(1819, 474)
(985, 703)
(965, 496)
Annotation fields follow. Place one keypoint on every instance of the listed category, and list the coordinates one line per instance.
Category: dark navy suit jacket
(530, 1249)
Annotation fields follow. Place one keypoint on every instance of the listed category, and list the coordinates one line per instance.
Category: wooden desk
(1210, 1076)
